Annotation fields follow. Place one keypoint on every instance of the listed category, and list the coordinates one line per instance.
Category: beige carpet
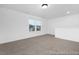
(41, 45)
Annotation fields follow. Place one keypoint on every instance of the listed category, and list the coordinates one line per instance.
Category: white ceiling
(53, 10)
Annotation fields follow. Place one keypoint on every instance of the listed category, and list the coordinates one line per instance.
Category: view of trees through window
(34, 25)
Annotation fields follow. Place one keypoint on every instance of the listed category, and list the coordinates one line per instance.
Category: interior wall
(14, 25)
(66, 27)
(67, 33)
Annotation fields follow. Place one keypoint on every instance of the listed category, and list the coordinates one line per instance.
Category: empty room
(39, 29)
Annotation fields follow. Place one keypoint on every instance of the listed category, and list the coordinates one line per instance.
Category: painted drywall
(67, 33)
(14, 25)
(64, 25)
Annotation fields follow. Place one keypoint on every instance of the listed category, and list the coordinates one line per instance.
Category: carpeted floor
(41, 45)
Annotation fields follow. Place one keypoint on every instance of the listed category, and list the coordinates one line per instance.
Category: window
(34, 25)
(38, 28)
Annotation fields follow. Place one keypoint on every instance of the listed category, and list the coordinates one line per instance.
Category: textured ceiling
(53, 10)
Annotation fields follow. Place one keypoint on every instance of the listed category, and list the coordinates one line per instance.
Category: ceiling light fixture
(68, 12)
(44, 5)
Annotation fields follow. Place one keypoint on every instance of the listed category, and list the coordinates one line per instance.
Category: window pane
(35, 22)
(34, 25)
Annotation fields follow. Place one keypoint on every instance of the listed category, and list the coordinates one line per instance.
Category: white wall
(68, 25)
(14, 25)
(67, 33)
